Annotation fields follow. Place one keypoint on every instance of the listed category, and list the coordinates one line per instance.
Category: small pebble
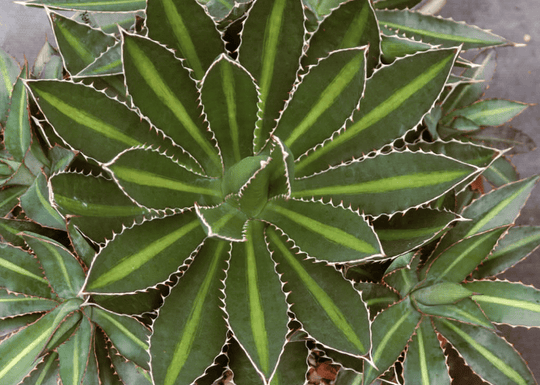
(527, 38)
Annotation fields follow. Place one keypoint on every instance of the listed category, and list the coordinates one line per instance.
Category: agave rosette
(250, 181)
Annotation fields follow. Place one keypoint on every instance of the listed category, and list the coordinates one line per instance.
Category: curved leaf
(74, 354)
(36, 205)
(9, 198)
(466, 311)
(109, 63)
(491, 112)
(9, 70)
(17, 132)
(12, 304)
(45, 373)
(394, 46)
(223, 221)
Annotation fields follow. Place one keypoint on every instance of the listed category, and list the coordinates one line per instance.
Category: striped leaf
(323, 231)
(12, 304)
(376, 296)
(394, 46)
(223, 221)
(401, 233)
(323, 101)
(65, 329)
(190, 330)
(91, 5)
(36, 205)
(501, 172)
(292, 365)
(491, 112)
(318, 298)
(436, 30)
(89, 121)
(156, 181)
(145, 254)
(9, 198)
(270, 26)
(96, 215)
(63, 271)
(185, 27)
(17, 132)
(21, 273)
(126, 333)
(281, 169)
(230, 97)
(109, 63)
(386, 183)
(508, 302)
(9, 70)
(444, 293)
(465, 310)
(391, 329)
(74, 354)
(79, 44)
(128, 372)
(19, 353)
(470, 153)
(163, 90)
(514, 247)
(395, 4)
(45, 373)
(490, 356)
(425, 362)
(10, 230)
(82, 247)
(402, 278)
(243, 370)
(100, 369)
(512, 140)
(395, 99)
(253, 194)
(254, 290)
(353, 24)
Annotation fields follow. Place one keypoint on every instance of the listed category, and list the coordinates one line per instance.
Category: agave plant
(250, 182)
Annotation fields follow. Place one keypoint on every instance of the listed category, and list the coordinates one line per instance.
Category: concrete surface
(24, 30)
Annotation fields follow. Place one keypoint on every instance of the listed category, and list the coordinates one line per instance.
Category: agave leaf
(425, 359)
(403, 232)
(324, 100)
(470, 153)
(395, 99)
(9, 70)
(443, 293)
(12, 324)
(66, 329)
(223, 221)
(21, 273)
(243, 370)
(9, 198)
(108, 63)
(270, 26)
(391, 329)
(163, 90)
(490, 356)
(514, 247)
(292, 365)
(145, 254)
(19, 353)
(127, 334)
(403, 278)
(436, 30)
(386, 183)
(395, 46)
(465, 310)
(100, 369)
(48, 64)
(459, 260)
(89, 121)
(109, 22)
(82, 247)
(74, 354)
(501, 172)
(90, 5)
(21, 176)
(94, 204)
(10, 230)
(507, 302)
(63, 271)
(186, 28)
(315, 290)
(395, 4)
(230, 97)
(281, 170)
(128, 372)
(17, 132)
(45, 373)
(79, 44)
(505, 138)
(324, 231)
(376, 296)
(156, 181)
(131, 304)
(353, 24)
(36, 205)
(491, 112)
(13, 304)
(190, 330)
(259, 321)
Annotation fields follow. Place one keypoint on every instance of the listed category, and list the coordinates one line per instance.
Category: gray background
(24, 30)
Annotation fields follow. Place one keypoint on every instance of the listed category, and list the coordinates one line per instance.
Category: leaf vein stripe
(515, 303)
(19, 270)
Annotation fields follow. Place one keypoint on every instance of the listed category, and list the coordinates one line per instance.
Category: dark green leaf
(12, 304)
(501, 172)
(9, 197)
(91, 5)
(46, 372)
(74, 354)
(292, 365)
(224, 221)
(17, 132)
(395, 46)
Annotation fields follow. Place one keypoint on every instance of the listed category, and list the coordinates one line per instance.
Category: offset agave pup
(243, 185)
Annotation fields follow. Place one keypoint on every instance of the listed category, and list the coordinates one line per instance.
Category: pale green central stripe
(494, 212)
(124, 330)
(145, 178)
(464, 254)
(488, 113)
(9, 229)
(107, 67)
(495, 361)
(218, 225)
(388, 335)
(396, 235)
(515, 245)
(96, 210)
(184, 39)
(45, 204)
(3, 300)
(356, 30)
(327, 97)
(183, 347)
(60, 264)
(402, 182)
(19, 270)
(159, 86)
(85, 54)
(519, 304)
(256, 311)
(77, 342)
(87, 120)
(7, 198)
(470, 316)
(318, 294)
(380, 112)
(456, 38)
(422, 357)
(44, 372)
(130, 264)
(331, 233)
(230, 99)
